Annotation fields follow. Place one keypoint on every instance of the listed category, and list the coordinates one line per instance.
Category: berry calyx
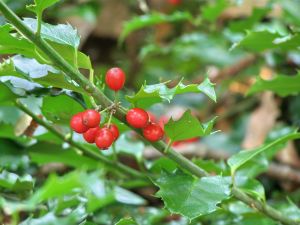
(137, 118)
(104, 138)
(77, 125)
(153, 132)
(115, 78)
(90, 134)
(114, 130)
(91, 118)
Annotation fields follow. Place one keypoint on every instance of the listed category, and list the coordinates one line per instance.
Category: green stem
(85, 150)
(120, 114)
(91, 79)
(39, 24)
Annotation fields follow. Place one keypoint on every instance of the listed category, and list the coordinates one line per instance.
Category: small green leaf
(41, 5)
(59, 109)
(212, 11)
(6, 95)
(62, 33)
(281, 85)
(251, 186)
(239, 159)
(258, 41)
(151, 94)
(191, 197)
(187, 127)
(13, 182)
(248, 23)
(152, 19)
(43, 74)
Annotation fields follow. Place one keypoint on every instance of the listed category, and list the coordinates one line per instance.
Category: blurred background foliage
(238, 44)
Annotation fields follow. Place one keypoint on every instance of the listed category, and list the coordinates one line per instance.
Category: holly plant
(65, 125)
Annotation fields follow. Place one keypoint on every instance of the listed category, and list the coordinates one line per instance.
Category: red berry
(104, 138)
(90, 134)
(114, 130)
(91, 118)
(115, 78)
(153, 132)
(137, 118)
(174, 2)
(77, 125)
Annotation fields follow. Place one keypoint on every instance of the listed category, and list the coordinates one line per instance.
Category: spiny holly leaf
(192, 197)
(43, 74)
(59, 109)
(212, 11)
(11, 43)
(41, 5)
(12, 182)
(258, 41)
(239, 159)
(187, 127)
(151, 94)
(62, 33)
(152, 19)
(281, 85)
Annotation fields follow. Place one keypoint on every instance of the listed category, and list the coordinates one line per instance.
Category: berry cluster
(139, 118)
(87, 123)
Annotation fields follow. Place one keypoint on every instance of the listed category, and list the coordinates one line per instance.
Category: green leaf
(258, 41)
(126, 221)
(212, 11)
(281, 85)
(251, 186)
(151, 94)
(197, 196)
(11, 43)
(44, 152)
(75, 217)
(6, 95)
(62, 33)
(41, 5)
(43, 74)
(239, 159)
(187, 127)
(152, 19)
(59, 109)
(13, 182)
(246, 24)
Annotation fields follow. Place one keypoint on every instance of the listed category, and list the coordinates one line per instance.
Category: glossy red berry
(90, 134)
(77, 125)
(114, 130)
(153, 132)
(104, 138)
(115, 78)
(91, 118)
(137, 118)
